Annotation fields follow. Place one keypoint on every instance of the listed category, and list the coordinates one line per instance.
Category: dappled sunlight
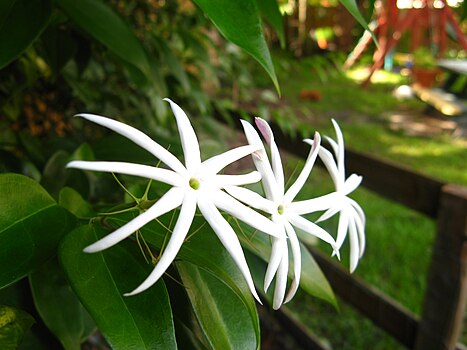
(359, 74)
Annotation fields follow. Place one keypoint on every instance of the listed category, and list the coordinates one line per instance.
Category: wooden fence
(440, 323)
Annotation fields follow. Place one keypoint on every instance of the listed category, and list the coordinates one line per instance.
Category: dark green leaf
(222, 315)
(270, 10)
(21, 22)
(186, 337)
(31, 225)
(352, 7)
(74, 203)
(59, 307)
(14, 323)
(101, 22)
(143, 321)
(240, 23)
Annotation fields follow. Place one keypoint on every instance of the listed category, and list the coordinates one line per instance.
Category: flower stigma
(280, 209)
(194, 183)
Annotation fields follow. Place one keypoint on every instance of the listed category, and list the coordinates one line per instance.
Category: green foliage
(351, 6)
(215, 304)
(14, 324)
(98, 19)
(270, 11)
(143, 321)
(31, 226)
(59, 307)
(21, 22)
(118, 58)
(240, 23)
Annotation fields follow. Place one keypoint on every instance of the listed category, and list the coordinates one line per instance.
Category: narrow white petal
(217, 163)
(167, 176)
(315, 204)
(187, 213)
(358, 209)
(297, 261)
(354, 246)
(252, 199)
(228, 238)
(311, 228)
(333, 144)
(277, 248)
(281, 280)
(360, 231)
(331, 166)
(342, 227)
(188, 138)
(330, 212)
(140, 138)
(237, 180)
(341, 148)
(264, 129)
(170, 200)
(305, 173)
(352, 183)
(261, 160)
(243, 213)
(278, 170)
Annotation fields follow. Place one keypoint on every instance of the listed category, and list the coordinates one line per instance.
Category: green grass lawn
(399, 240)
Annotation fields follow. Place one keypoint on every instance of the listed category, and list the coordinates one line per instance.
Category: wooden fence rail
(440, 323)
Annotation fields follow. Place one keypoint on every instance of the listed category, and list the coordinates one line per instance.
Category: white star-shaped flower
(284, 212)
(195, 184)
(352, 217)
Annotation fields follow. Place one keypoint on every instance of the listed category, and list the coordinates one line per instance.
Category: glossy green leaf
(239, 22)
(59, 307)
(143, 321)
(101, 22)
(312, 278)
(203, 249)
(21, 22)
(351, 6)
(270, 11)
(222, 315)
(74, 203)
(31, 226)
(14, 323)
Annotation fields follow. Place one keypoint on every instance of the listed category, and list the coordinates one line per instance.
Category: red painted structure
(393, 22)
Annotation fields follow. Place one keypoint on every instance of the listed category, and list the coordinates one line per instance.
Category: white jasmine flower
(195, 184)
(279, 204)
(352, 217)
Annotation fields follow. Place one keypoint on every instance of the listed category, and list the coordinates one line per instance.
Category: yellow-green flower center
(280, 209)
(194, 183)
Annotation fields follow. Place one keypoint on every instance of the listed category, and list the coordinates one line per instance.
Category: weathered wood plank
(396, 182)
(446, 294)
(382, 310)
